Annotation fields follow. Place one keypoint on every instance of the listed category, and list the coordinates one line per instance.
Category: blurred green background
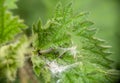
(104, 13)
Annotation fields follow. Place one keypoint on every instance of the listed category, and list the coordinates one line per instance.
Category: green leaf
(9, 25)
(78, 56)
(37, 70)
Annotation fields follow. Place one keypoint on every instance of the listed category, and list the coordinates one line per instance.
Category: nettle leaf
(71, 52)
(9, 25)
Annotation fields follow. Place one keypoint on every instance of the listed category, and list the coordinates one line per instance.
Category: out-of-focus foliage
(10, 4)
(11, 54)
(9, 25)
(12, 58)
(118, 38)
